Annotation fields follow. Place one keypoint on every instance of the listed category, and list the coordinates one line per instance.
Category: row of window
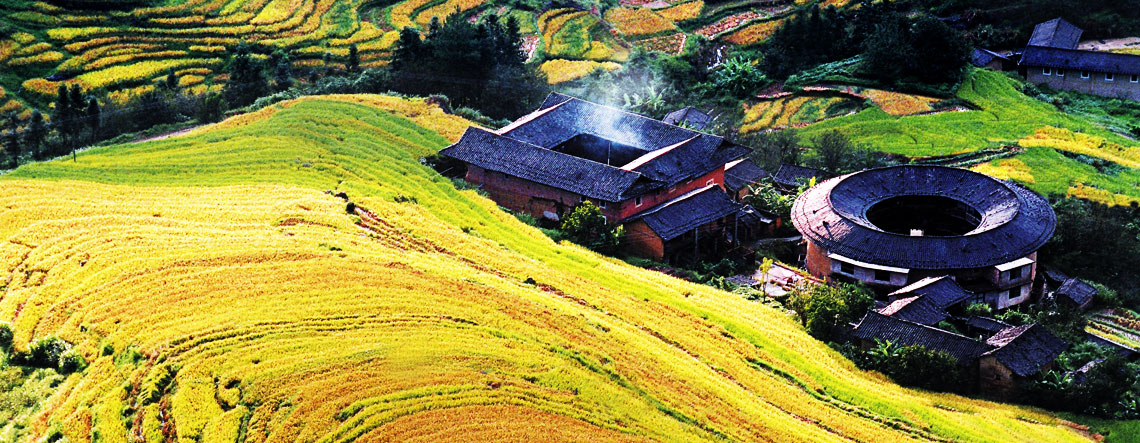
(638, 201)
(1108, 76)
(849, 269)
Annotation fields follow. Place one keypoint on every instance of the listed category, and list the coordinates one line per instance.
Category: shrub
(979, 309)
(5, 335)
(586, 226)
(821, 308)
(71, 361)
(46, 352)
(739, 77)
(1016, 318)
(1105, 296)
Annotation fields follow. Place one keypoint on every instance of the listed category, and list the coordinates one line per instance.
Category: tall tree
(91, 117)
(353, 58)
(282, 71)
(247, 80)
(477, 65)
(35, 134)
(63, 111)
(10, 138)
(834, 152)
(171, 82)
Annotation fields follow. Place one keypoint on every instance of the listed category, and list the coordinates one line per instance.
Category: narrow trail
(178, 133)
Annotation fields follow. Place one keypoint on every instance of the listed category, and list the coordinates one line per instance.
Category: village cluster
(929, 240)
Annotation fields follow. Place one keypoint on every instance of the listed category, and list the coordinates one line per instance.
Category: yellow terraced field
(119, 49)
(257, 306)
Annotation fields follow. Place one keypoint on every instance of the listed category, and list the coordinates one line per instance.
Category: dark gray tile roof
(1025, 349)
(989, 324)
(919, 309)
(878, 326)
(792, 176)
(743, 174)
(688, 115)
(1076, 291)
(1056, 33)
(943, 292)
(1056, 276)
(680, 215)
(982, 57)
(1077, 60)
(1015, 220)
(566, 117)
(504, 154)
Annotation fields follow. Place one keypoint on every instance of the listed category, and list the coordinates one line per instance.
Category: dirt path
(1107, 45)
(167, 135)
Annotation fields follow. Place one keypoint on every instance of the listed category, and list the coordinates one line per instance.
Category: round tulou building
(891, 227)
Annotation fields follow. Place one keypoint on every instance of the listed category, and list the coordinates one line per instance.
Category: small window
(601, 204)
(1109, 77)
(1014, 293)
(1060, 73)
(1084, 74)
(1047, 71)
(1135, 78)
(637, 201)
(882, 276)
(1015, 273)
(710, 182)
(847, 268)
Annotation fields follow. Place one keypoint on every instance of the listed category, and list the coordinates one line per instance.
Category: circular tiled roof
(1014, 221)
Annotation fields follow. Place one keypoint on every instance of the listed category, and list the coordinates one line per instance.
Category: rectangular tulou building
(665, 182)
(1051, 58)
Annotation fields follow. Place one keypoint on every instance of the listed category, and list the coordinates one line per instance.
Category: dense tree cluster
(475, 65)
(1009, 23)
(895, 45)
(1097, 242)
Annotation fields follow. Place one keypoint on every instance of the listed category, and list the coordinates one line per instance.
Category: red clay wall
(629, 208)
(817, 262)
(534, 198)
(526, 196)
(639, 240)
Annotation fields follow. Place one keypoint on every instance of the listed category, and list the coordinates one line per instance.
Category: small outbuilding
(790, 177)
(1075, 293)
(1018, 353)
(741, 174)
(987, 59)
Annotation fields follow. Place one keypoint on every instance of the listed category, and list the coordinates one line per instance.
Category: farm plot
(106, 51)
(793, 111)
(218, 286)
(572, 34)
(560, 71)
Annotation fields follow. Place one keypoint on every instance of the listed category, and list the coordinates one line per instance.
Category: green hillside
(1006, 117)
(219, 290)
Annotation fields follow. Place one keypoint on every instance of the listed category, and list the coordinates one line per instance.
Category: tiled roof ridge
(649, 156)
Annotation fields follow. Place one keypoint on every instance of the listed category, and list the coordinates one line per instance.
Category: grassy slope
(1006, 116)
(262, 310)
